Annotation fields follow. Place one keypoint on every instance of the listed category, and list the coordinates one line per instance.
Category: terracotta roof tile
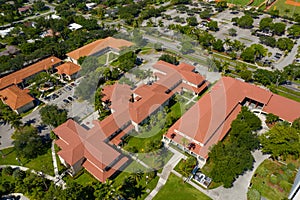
(210, 118)
(15, 97)
(99, 45)
(68, 68)
(18, 76)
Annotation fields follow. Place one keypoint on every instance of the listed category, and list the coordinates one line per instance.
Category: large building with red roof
(95, 149)
(98, 47)
(209, 120)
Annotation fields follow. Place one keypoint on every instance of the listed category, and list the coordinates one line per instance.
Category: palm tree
(138, 175)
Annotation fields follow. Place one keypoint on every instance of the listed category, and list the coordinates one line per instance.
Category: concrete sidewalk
(166, 172)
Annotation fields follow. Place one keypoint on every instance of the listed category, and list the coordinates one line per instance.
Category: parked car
(70, 98)
(68, 88)
(66, 101)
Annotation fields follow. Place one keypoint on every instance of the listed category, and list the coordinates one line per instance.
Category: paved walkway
(166, 172)
(47, 176)
(192, 100)
(54, 160)
(240, 186)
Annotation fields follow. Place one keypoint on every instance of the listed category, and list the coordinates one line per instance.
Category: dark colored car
(70, 98)
(66, 101)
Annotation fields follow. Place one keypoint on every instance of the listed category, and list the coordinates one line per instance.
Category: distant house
(17, 99)
(52, 16)
(90, 6)
(98, 47)
(68, 70)
(24, 10)
(74, 26)
(10, 50)
(4, 32)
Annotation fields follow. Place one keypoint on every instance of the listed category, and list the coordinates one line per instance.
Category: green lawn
(175, 189)
(282, 6)
(131, 168)
(40, 163)
(272, 180)
(239, 2)
(257, 2)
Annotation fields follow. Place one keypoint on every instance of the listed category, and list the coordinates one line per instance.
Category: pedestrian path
(166, 172)
(47, 176)
(54, 160)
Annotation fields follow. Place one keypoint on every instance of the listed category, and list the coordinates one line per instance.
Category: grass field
(282, 7)
(131, 168)
(175, 189)
(272, 180)
(40, 163)
(239, 2)
(257, 2)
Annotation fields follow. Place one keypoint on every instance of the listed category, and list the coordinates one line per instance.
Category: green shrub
(286, 186)
(273, 179)
(19, 174)
(8, 171)
(283, 177)
(253, 194)
(291, 166)
(262, 172)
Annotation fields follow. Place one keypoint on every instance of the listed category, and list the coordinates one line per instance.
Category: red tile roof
(68, 68)
(209, 119)
(99, 45)
(18, 76)
(77, 143)
(15, 97)
(174, 74)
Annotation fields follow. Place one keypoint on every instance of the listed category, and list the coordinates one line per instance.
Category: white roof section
(53, 16)
(74, 26)
(4, 32)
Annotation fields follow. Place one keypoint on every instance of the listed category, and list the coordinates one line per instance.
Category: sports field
(257, 2)
(239, 2)
(286, 9)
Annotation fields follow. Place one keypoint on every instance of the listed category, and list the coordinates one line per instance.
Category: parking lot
(65, 98)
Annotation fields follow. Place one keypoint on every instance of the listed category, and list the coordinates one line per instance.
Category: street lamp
(147, 180)
(17, 159)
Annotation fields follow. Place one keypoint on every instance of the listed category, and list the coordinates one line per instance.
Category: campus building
(12, 86)
(96, 149)
(17, 99)
(98, 47)
(68, 70)
(209, 120)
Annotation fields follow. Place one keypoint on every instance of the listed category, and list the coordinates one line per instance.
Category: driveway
(5, 132)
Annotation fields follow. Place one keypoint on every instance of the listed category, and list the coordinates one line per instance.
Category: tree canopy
(27, 142)
(169, 58)
(281, 141)
(234, 156)
(245, 21)
(53, 116)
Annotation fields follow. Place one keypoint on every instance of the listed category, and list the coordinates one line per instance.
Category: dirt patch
(291, 2)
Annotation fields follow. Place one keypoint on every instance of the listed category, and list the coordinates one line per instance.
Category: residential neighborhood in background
(172, 99)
